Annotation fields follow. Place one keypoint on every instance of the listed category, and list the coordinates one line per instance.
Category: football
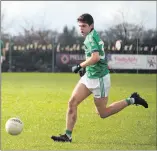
(14, 126)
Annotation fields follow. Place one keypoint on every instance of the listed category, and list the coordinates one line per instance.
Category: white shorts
(99, 87)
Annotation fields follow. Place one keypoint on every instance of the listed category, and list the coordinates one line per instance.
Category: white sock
(132, 100)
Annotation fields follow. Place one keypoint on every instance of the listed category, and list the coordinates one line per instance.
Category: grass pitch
(40, 101)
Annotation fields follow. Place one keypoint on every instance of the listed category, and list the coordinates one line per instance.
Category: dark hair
(86, 18)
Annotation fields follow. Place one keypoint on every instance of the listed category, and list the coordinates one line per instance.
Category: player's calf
(71, 112)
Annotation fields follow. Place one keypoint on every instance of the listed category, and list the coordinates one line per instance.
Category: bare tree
(41, 35)
(124, 30)
(5, 25)
(3, 16)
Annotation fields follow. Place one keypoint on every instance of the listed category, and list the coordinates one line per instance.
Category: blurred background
(43, 36)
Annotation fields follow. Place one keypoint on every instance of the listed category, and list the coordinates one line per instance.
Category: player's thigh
(101, 93)
(102, 87)
(100, 104)
(79, 93)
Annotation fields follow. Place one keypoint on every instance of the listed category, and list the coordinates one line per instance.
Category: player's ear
(92, 25)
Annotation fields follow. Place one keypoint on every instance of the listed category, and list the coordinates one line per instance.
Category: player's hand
(76, 68)
(82, 72)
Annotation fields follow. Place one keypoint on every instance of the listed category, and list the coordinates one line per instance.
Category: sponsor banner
(115, 61)
(63, 59)
(145, 62)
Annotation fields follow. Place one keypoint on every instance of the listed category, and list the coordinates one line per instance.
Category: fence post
(137, 52)
(53, 55)
(10, 54)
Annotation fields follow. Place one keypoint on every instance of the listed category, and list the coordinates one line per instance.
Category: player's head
(86, 24)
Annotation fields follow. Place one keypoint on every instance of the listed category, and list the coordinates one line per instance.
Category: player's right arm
(91, 60)
(95, 53)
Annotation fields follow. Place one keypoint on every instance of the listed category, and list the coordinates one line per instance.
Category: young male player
(96, 80)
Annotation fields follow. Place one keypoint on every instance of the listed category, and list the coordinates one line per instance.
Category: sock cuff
(128, 101)
(68, 132)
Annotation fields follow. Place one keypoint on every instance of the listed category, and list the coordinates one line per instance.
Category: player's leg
(79, 93)
(102, 99)
(104, 111)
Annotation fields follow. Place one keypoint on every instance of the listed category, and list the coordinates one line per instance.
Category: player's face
(84, 28)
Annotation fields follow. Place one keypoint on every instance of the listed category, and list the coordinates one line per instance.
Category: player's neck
(91, 30)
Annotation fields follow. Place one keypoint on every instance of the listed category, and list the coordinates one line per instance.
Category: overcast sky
(56, 14)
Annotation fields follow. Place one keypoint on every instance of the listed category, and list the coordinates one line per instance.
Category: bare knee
(102, 116)
(101, 106)
(72, 105)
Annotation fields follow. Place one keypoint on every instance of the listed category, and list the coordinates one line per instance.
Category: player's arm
(91, 60)
(94, 58)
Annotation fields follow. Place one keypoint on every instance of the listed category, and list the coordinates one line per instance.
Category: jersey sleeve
(94, 47)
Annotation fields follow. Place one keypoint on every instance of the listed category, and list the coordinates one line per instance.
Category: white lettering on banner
(77, 57)
(132, 61)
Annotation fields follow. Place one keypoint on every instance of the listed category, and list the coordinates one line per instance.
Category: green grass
(40, 100)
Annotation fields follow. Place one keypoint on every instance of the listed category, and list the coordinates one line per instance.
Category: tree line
(127, 33)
